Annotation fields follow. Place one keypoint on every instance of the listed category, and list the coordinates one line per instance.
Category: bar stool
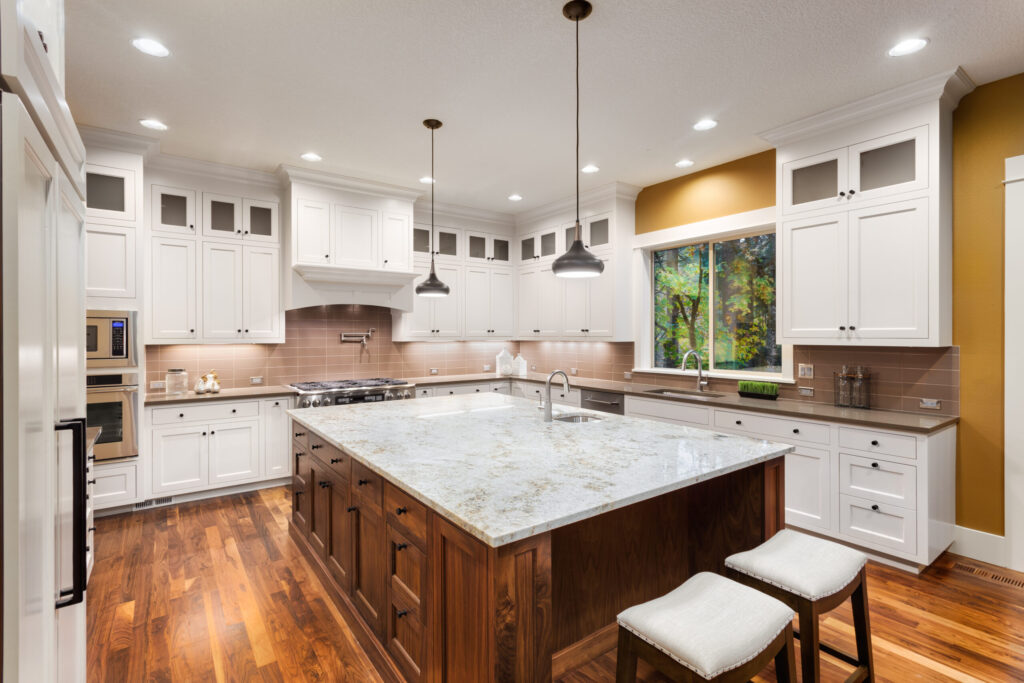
(812, 576)
(708, 629)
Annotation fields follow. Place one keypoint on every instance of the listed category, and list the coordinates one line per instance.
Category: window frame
(724, 229)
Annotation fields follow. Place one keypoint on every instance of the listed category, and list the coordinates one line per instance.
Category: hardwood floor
(216, 591)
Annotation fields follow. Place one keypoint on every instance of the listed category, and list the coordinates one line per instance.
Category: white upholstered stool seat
(709, 624)
(807, 566)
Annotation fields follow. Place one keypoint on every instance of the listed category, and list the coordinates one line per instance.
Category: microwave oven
(110, 339)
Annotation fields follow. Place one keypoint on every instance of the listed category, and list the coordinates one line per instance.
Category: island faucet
(701, 382)
(547, 392)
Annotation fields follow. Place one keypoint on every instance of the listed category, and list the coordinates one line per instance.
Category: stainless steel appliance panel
(603, 401)
(112, 403)
(110, 339)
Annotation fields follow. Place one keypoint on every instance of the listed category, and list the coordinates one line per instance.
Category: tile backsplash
(901, 377)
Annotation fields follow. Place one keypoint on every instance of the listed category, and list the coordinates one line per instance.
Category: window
(718, 297)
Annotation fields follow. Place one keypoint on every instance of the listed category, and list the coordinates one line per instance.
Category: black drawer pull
(401, 613)
(299, 454)
(875, 508)
(874, 443)
(92, 528)
(335, 461)
(297, 493)
(316, 446)
(91, 481)
(299, 434)
(401, 511)
(874, 464)
(796, 431)
(351, 508)
(324, 484)
(401, 546)
(363, 482)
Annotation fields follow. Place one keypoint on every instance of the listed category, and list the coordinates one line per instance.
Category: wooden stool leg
(625, 658)
(810, 666)
(785, 660)
(862, 625)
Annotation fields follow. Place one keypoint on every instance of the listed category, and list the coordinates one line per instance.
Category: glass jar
(176, 381)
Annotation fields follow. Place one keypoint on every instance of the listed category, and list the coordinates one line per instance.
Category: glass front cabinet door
(483, 248)
(110, 193)
(889, 165)
(222, 215)
(173, 210)
(815, 182)
(259, 220)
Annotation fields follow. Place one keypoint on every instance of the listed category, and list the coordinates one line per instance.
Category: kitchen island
(464, 539)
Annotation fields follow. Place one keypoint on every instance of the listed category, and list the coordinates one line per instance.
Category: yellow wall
(988, 126)
(737, 186)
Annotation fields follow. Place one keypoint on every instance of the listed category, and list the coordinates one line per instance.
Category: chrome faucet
(547, 392)
(701, 382)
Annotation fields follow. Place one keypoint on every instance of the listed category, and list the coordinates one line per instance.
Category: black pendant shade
(577, 261)
(432, 286)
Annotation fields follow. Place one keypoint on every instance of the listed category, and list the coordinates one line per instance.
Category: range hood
(323, 285)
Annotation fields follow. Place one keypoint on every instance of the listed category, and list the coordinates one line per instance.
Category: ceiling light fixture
(577, 261)
(427, 180)
(684, 163)
(705, 124)
(907, 47)
(590, 168)
(150, 47)
(515, 198)
(153, 124)
(432, 286)
(311, 156)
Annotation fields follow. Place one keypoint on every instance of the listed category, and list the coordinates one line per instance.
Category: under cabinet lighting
(311, 156)
(705, 124)
(684, 163)
(151, 47)
(589, 168)
(907, 47)
(515, 198)
(153, 124)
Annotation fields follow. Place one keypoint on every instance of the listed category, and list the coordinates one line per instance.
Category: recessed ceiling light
(515, 198)
(907, 47)
(684, 163)
(151, 47)
(705, 124)
(311, 156)
(427, 180)
(153, 124)
(590, 168)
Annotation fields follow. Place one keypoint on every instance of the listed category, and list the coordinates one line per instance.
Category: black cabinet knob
(796, 431)
(181, 414)
(327, 256)
(853, 192)
(297, 493)
(247, 331)
(335, 461)
(842, 327)
(277, 403)
(212, 432)
(191, 227)
(324, 484)
(874, 443)
(401, 613)
(239, 331)
(363, 482)
(842, 194)
(351, 508)
(401, 546)
(874, 464)
(739, 422)
(204, 433)
(192, 331)
(852, 328)
(875, 508)
(234, 410)
(401, 511)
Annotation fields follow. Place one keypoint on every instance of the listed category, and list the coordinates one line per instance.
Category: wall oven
(110, 339)
(112, 402)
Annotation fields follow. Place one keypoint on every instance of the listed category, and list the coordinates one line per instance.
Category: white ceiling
(256, 83)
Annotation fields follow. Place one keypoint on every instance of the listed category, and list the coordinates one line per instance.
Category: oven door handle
(77, 592)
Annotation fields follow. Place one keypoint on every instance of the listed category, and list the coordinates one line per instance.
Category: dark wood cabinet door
(368, 565)
(407, 580)
(339, 552)
(301, 501)
(320, 514)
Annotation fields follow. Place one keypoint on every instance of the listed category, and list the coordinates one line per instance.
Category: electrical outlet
(487, 367)
(931, 404)
(627, 375)
(433, 371)
(533, 368)
(574, 371)
(806, 391)
(805, 371)
(256, 380)
(158, 384)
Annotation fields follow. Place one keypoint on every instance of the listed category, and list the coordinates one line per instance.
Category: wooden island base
(429, 602)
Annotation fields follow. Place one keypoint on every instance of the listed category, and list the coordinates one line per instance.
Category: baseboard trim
(980, 545)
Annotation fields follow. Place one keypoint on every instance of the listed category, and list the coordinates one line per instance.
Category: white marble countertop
(489, 464)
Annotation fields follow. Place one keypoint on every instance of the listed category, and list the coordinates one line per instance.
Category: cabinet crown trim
(376, 188)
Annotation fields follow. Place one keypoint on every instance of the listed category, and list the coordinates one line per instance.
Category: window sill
(716, 374)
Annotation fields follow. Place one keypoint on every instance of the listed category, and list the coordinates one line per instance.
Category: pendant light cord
(579, 236)
(433, 181)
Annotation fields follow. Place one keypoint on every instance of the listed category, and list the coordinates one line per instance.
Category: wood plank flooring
(215, 590)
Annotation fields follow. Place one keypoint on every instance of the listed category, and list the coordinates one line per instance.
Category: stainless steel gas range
(345, 391)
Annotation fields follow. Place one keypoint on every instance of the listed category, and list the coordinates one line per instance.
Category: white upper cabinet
(527, 318)
(484, 248)
(355, 234)
(173, 210)
(172, 313)
(549, 306)
(435, 317)
(222, 215)
(262, 312)
(503, 303)
(540, 246)
(313, 232)
(489, 302)
(595, 232)
(541, 304)
(396, 241)
(447, 243)
(259, 221)
(110, 261)
(812, 287)
(222, 291)
(110, 193)
(588, 305)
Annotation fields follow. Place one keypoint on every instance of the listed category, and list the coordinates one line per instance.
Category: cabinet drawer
(300, 434)
(773, 427)
(115, 485)
(668, 411)
(407, 573)
(880, 524)
(339, 462)
(405, 643)
(424, 392)
(205, 412)
(878, 442)
(878, 480)
(406, 513)
(366, 484)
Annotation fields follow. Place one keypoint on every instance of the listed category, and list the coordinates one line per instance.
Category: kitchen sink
(683, 393)
(577, 418)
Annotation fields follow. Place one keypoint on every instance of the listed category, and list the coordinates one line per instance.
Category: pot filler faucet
(547, 391)
(701, 382)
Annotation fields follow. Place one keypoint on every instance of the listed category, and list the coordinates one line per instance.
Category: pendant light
(577, 261)
(432, 286)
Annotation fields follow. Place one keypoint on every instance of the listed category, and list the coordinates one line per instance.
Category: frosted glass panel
(477, 247)
(421, 240)
(527, 249)
(446, 242)
(501, 250)
(105, 192)
(819, 181)
(547, 244)
(259, 221)
(173, 210)
(222, 216)
(599, 233)
(890, 165)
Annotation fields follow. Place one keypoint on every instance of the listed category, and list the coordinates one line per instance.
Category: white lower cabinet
(115, 484)
(180, 458)
(234, 452)
(276, 440)
(808, 502)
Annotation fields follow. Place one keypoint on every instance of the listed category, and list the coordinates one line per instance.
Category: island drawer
(300, 434)
(338, 460)
(406, 513)
(405, 643)
(205, 412)
(407, 573)
(878, 524)
(366, 484)
(878, 442)
(878, 480)
(773, 427)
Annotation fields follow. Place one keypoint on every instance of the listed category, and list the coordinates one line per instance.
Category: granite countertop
(91, 434)
(492, 466)
(160, 398)
(883, 419)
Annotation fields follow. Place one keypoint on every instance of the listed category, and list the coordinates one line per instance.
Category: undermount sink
(577, 418)
(683, 393)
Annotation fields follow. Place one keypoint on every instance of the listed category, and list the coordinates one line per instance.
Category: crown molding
(947, 87)
(609, 192)
(117, 141)
(466, 213)
(333, 181)
(186, 165)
